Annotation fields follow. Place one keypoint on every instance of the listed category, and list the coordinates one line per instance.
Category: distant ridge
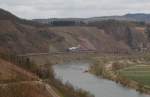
(137, 17)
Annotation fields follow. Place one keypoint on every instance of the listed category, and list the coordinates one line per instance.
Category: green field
(139, 73)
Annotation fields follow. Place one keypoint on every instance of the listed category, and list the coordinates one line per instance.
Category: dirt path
(47, 86)
(51, 91)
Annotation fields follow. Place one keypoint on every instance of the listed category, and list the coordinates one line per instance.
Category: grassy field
(139, 73)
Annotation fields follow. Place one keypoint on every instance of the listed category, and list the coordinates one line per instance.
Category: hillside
(11, 73)
(17, 82)
(22, 36)
(25, 36)
(19, 36)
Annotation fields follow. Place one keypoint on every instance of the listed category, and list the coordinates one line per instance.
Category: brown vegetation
(29, 84)
(29, 89)
(23, 36)
(17, 82)
(12, 73)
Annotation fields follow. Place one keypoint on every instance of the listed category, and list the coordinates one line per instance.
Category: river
(99, 87)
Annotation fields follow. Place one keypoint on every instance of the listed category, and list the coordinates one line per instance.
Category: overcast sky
(30, 9)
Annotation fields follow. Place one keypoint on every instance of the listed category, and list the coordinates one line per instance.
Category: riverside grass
(127, 71)
(139, 73)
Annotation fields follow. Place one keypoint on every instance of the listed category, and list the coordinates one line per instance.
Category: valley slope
(25, 36)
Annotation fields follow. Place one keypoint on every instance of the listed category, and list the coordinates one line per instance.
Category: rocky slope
(24, 36)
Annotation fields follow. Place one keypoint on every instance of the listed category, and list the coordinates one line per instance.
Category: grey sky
(74, 8)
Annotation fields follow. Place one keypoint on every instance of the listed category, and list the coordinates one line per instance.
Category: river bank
(74, 73)
(109, 70)
(97, 69)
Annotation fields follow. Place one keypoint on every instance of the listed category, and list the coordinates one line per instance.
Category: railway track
(55, 53)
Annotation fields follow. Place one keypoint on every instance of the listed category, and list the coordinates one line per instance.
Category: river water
(99, 87)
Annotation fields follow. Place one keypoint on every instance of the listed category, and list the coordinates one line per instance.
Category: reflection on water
(76, 75)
